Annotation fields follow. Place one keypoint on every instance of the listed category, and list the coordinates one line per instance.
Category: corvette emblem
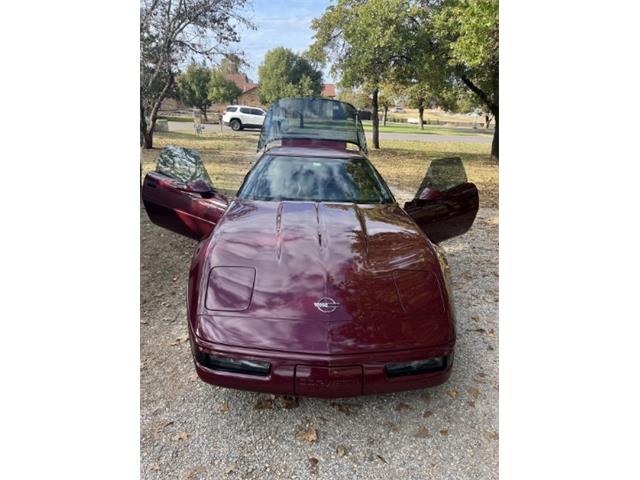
(326, 305)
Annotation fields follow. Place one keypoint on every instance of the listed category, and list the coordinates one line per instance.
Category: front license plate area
(328, 381)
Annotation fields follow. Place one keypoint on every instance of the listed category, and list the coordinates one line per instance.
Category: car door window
(245, 110)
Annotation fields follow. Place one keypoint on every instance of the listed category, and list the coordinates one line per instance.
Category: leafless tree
(173, 32)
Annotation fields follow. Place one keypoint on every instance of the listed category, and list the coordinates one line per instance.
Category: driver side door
(179, 195)
(446, 203)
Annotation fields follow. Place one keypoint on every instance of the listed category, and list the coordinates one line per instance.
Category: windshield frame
(382, 185)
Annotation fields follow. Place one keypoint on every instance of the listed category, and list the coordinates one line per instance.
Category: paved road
(415, 137)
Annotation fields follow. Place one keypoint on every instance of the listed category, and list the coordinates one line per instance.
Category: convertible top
(315, 119)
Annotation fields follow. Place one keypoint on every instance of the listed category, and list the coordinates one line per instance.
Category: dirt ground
(191, 430)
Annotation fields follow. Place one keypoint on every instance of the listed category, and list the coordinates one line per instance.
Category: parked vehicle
(312, 280)
(242, 116)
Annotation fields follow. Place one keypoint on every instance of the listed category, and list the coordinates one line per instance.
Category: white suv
(241, 116)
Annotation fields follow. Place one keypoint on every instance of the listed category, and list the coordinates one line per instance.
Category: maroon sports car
(313, 281)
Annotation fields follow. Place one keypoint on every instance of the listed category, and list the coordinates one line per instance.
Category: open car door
(446, 204)
(180, 196)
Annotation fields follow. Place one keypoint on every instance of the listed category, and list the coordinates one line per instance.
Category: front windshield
(352, 180)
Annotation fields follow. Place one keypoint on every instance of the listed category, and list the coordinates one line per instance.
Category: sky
(285, 23)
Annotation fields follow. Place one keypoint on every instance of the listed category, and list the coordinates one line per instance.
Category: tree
(468, 32)
(284, 73)
(193, 87)
(222, 90)
(366, 44)
(420, 97)
(355, 97)
(172, 31)
(230, 64)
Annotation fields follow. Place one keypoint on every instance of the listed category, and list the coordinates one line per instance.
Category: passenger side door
(446, 203)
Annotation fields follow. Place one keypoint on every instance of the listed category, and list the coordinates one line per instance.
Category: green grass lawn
(403, 164)
(428, 129)
(188, 119)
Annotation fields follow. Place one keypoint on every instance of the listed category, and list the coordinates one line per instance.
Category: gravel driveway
(191, 430)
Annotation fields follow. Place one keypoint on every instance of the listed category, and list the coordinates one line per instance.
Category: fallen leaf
(491, 332)
(180, 436)
(453, 393)
(313, 465)
(194, 471)
(482, 375)
(224, 408)
(179, 340)
(427, 414)
(310, 435)
(289, 402)
(444, 432)
(343, 407)
(474, 391)
(229, 468)
(479, 330)
(263, 404)
(175, 279)
(154, 467)
(491, 435)
(426, 398)
(391, 426)
(341, 450)
(471, 403)
(422, 432)
(194, 376)
(381, 458)
(402, 407)
(475, 318)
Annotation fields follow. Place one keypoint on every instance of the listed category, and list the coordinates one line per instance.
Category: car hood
(370, 260)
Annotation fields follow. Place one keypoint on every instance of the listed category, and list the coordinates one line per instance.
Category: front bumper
(326, 376)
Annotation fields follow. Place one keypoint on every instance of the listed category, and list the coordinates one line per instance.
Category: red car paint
(261, 266)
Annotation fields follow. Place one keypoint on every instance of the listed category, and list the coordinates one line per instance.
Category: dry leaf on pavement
(310, 435)
(224, 408)
(422, 432)
(229, 468)
(453, 393)
(263, 404)
(180, 436)
(341, 450)
(491, 435)
(313, 465)
(474, 391)
(444, 432)
(402, 407)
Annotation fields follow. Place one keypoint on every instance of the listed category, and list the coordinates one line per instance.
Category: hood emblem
(326, 305)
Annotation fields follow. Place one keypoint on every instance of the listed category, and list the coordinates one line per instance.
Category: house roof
(241, 80)
(328, 90)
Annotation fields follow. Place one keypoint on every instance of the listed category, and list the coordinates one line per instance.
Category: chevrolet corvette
(312, 280)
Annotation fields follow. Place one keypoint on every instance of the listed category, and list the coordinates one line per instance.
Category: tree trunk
(421, 117)
(375, 120)
(146, 129)
(384, 115)
(494, 142)
(204, 113)
(148, 139)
